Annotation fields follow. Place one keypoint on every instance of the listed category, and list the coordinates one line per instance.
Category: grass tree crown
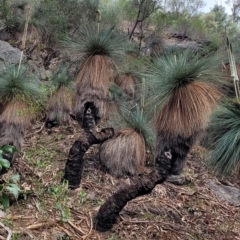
(17, 84)
(62, 79)
(139, 122)
(88, 40)
(184, 90)
(224, 137)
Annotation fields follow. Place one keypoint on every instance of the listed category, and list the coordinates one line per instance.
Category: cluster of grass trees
(162, 101)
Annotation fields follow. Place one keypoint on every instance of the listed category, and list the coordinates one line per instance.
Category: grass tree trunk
(108, 213)
(14, 122)
(167, 162)
(75, 161)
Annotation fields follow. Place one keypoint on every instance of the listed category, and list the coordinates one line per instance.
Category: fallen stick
(40, 225)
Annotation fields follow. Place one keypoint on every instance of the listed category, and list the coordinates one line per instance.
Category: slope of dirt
(49, 211)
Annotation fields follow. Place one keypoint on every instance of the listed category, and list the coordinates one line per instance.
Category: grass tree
(99, 52)
(223, 132)
(17, 93)
(127, 78)
(156, 46)
(125, 153)
(184, 93)
(60, 104)
(223, 139)
(127, 82)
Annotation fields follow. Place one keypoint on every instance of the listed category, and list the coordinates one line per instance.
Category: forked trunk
(167, 163)
(75, 162)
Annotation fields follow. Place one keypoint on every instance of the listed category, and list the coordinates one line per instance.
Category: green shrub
(10, 186)
(9, 16)
(54, 18)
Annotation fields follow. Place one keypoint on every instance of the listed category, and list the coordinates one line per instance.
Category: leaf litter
(48, 210)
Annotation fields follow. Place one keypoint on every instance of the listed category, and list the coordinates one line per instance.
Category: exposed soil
(49, 211)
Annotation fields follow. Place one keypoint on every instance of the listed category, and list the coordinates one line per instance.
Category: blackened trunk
(75, 162)
(167, 162)
(108, 213)
(179, 146)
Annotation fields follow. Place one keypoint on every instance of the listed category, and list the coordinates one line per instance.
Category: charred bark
(108, 213)
(171, 156)
(75, 162)
(180, 147)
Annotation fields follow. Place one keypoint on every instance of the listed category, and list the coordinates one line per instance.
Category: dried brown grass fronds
(96, 72)
(16, 112)
(124, 154)
(14, 121)
(12, 134)
(127, 82)
(99, 99)
(188, 110)
(60, 106)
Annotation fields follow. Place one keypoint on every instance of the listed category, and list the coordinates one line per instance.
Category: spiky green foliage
(138, 121)
(177, 69)
(62, 79)
(17, 85)
(99, 53)
(116, 94)
(156, 46)
(17, 92)
(183, 91)
(223, 138)
(88, 42)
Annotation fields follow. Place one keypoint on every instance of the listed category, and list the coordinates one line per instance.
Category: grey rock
(9, 54)
(177, 179)
(228, 193)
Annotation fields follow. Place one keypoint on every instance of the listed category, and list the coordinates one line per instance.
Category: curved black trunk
(167, 162)
(109, 211)
(179, 146)
(75, 162)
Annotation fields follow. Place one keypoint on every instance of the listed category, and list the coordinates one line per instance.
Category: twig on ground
(76, 228)
(8, 230)
(66, 231)
(90, 225)
(38, 131)
(40, 225)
